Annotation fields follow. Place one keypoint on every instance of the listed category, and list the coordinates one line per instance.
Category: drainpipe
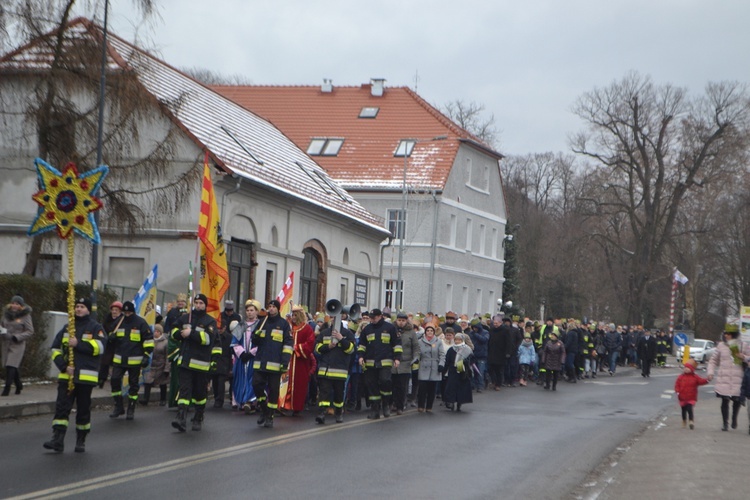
(380, 272)
(433, 250)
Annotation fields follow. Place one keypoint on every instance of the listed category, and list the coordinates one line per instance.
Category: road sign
(680, 339)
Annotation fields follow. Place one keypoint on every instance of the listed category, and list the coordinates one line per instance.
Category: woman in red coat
(302, 362)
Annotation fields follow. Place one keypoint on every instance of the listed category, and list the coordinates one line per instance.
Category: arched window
(309, 281)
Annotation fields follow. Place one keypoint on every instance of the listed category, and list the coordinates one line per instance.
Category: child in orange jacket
(686, 387)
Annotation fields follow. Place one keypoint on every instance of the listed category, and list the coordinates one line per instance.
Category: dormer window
(324, 146)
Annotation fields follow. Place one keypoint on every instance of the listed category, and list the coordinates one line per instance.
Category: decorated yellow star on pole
(67, 200)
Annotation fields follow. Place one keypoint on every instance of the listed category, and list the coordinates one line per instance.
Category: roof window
(369, 112)
(323, 146)
(405, 147)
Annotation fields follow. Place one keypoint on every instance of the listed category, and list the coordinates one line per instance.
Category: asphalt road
(516, 443)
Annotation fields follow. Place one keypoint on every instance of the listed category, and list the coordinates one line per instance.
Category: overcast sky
(526, 61)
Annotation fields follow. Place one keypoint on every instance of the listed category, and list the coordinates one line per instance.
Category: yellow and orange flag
(213, 258)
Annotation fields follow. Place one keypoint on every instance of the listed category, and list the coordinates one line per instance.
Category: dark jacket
(224, 360)
(199, 348)
(498, 345)
(132, 341)
(612, 340)
(334, 358)
(379, 345)
(553, 355)
(571, 341)
(480, 337)
(647, 348)
(86, 354)
(275, 345)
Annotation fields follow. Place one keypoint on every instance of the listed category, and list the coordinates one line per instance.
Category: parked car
(701, 350)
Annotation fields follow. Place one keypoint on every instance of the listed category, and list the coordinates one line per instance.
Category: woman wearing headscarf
(458, 361)
(726, 365)
(18, 328)
(553, 357)
(243, 351)
(431, 367)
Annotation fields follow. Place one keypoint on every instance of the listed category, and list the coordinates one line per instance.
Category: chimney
(377, 86)
(327, 86)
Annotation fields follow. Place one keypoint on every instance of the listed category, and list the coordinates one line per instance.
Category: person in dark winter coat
(111, 322)
(458, 361)
(497, 350)
(745, 390)
(17, 329)
(223, 362)
(480, 337)
(613, 343)
(646, 347)
(553, 354)
(571, 351)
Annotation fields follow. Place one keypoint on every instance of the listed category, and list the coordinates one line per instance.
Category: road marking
(602, 382)
(182, 463)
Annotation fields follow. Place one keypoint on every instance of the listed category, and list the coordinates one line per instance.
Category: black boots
(162, 395)
(198, 418)
(80, 441)
(146, 395)
(12, 375)
(57, 443)
(118, 409)
(386, 407)
(374, 410)
(321, 417)
(269, 419)
(262, 413)
(179, 421)
(339, 414)
(131, 409)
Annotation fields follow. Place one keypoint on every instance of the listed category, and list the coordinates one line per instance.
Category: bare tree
(62, 110)
(208, 77)
(652, 146)
(471, 117)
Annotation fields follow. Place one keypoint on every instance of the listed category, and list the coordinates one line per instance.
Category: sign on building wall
(360, 289)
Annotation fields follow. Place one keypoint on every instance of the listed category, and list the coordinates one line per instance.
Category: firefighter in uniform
(662, 348)
(87, 344)
(133, 344)
(196, 335)
(586, 349)
(275, 346)
(379, 351)
(334, 349)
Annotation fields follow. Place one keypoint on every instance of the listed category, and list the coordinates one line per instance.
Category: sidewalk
(666, 461)
(38, 398)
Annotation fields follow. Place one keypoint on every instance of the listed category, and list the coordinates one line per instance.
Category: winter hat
(229, 305)
(475, 321)
(691, 365)
(527, 335)
(117, 304)
(17, 299)
(402, 315)
(275, 303)
(430, 326)
(202, 298)
(86, 302)
(128, 306)
(158, 327)
(449, 330)
(553, 334)
(375, 312)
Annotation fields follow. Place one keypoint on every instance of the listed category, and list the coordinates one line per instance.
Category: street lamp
(408, 145)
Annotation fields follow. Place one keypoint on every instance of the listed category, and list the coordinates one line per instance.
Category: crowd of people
(379, 362)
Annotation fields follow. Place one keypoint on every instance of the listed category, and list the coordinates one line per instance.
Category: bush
(43, 295)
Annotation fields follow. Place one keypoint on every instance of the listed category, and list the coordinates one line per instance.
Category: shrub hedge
(43, 295)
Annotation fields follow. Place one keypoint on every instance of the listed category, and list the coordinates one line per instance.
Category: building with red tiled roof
(380, 142)
(280, 211)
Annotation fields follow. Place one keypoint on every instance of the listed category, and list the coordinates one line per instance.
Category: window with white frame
(396, 223)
